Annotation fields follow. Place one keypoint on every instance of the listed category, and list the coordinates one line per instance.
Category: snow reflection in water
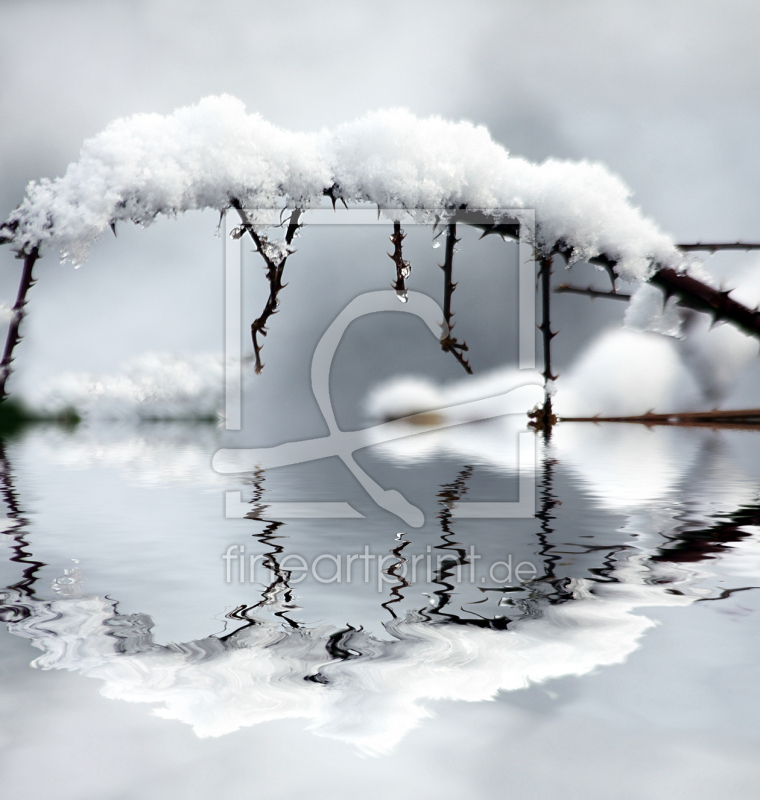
(370, 689)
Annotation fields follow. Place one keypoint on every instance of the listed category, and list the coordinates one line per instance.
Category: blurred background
(664, 93)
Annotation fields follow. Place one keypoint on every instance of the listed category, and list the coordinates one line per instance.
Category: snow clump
(206, 155)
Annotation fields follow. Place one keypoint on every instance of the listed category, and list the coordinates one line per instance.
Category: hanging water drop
(402, 295)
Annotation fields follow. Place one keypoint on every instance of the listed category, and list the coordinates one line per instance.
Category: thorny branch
(543, 418)
(275, 267)
(691, 293)
(565, 288)
(17, 314)
(733, 418)
(696, 295)
(713, 247)
(403, 268)
(449, 343)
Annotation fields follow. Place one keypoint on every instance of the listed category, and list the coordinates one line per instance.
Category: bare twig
(18, 313)
(275, 267)
(713, 247)
(544, 418)
(403, 268)
(565, 288)
(449, 343)
(734, 418)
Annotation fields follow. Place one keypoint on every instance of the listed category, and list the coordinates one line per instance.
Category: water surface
(618, 661)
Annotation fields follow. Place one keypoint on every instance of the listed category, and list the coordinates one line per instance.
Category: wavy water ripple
(370, 691)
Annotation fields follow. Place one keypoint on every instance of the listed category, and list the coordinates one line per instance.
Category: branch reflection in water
(369, 690)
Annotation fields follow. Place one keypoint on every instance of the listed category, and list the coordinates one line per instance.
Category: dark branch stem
(545, 274)
(275, 268)
(741, 418)
(25, 284)
(713, 247)
(403, 268)
(449, 343)
(543, 418)
(694, 294)
(565, 288)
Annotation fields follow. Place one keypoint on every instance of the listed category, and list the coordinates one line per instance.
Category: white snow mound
(206, 155)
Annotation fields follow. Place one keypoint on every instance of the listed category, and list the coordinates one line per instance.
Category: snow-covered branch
(204, 155)
(215, 155)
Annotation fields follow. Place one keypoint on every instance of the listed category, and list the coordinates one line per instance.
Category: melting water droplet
(436, 244)
(406, 271)
(402, 295)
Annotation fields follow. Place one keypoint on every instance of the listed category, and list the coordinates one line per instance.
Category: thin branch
(449, 343)
(275, 267)
(735, 418)
(713, 247)
(565, 288)
(18, 313)
(403, 268)
(544, 418)
(692, 293)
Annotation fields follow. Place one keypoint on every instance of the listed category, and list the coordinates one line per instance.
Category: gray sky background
(664, 93)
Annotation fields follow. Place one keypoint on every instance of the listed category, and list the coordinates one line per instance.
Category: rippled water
(606, 647)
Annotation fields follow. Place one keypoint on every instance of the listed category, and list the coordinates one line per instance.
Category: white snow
(648, 310)
(623, 373)
(151, 386)
(406, 395)
(204, 155)
(619, 373)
